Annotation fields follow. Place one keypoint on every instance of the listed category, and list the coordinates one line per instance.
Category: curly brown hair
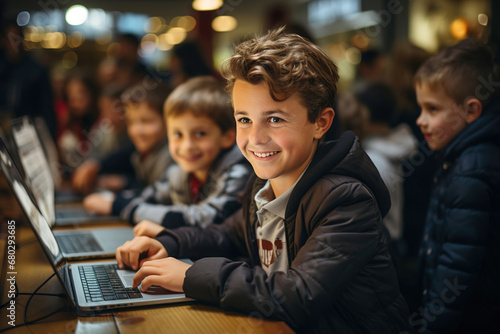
(288, 64)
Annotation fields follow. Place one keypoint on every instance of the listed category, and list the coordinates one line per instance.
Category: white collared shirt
(271, 237)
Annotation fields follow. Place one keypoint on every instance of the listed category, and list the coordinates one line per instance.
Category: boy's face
(195, 142)
(441, 119)
(276, 137)
(145, 126)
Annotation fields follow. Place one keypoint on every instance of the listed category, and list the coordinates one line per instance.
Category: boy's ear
(228, 138)
(474, 108)
(324, 121)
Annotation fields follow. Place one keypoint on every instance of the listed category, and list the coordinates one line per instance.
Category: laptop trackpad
(127, 277)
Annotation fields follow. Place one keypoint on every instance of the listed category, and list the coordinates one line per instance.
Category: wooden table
(33, 268)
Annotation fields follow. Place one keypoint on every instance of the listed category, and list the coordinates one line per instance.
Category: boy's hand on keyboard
(147, 229)
(98, 204)
(168, 273)
(130, 253)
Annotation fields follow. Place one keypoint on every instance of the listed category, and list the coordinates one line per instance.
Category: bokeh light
(224, 23)
(76, 15)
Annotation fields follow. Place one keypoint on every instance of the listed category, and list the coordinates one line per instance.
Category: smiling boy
(210, 172)
(140, 164)
(311, 218)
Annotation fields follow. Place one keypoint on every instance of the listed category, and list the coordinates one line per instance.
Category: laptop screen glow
(35, 166)
(25, 199)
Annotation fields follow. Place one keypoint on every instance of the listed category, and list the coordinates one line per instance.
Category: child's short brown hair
(202, 96)
(288, 64)
(154, 96)
(464, 70)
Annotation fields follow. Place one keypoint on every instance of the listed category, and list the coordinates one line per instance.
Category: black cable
(35, 293)
(26, 322)
(62, 295)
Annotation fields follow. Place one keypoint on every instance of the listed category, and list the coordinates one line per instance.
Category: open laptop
(71, 244)
(92, 287)
(63, 193)
(40, 179)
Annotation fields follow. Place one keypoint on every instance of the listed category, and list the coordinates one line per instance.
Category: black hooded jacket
(340, 279)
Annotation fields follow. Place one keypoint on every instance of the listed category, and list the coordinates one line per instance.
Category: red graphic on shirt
(267, 251)
(278, 247)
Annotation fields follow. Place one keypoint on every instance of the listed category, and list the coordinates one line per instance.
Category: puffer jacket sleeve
(157, 204)
(460, 251)
(219, 201)
(344, 236)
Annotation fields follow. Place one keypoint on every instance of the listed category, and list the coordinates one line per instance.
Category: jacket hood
(342, 157)
(484, 129)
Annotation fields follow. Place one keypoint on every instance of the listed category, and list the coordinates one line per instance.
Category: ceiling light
(204, 5)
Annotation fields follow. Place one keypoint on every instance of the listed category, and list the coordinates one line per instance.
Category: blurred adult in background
(187, 61)
(405, 60)
(368, 112)
(111, 123)
(419, 168)
(74, 138)
(25, 87)
(279, 15)
(124, 66)
(130, 68)
(372, 67)
(58, 76)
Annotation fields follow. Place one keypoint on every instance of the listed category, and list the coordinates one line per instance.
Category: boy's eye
(244, 120)
(177, 134)
(201, 133)
(275, 120)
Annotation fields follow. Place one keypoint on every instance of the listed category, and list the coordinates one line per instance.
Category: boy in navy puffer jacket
(460, 252)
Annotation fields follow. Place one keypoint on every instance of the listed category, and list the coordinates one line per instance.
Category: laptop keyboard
(78, 243)
(101, 282)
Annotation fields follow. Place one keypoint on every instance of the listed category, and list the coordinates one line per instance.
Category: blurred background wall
(80, 33)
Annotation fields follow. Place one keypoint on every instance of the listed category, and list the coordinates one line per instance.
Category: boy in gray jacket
(203, 186)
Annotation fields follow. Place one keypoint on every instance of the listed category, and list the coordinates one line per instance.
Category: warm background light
(54, 40)
(204, 5)
(458, 28)
(154, 24)
(186, 22)
(75, 39)
(175, 35)
(224, 23)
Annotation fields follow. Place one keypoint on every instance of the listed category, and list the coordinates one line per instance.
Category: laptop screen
(37, 221)
(26, 201)
(50, 150)
(35, 165)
